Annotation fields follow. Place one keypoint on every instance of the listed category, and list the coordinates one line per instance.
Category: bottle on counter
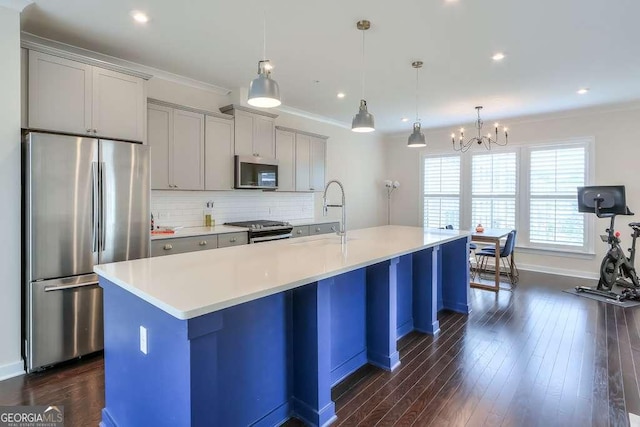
(208, 215)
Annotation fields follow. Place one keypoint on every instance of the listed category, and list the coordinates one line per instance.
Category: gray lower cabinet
(232, 239)
(300, 231)
(315, 229)
(331, 227)
(183, 244)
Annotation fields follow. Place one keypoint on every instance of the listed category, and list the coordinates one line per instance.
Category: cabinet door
(159, 136)
(318, 154)
(187, 168)
(303, 162)
(118, 105)
(243, 138)
(286, 155)
(59, 94)
(263, 136)
(218, 154)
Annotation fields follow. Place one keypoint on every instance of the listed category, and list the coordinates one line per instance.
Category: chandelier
(485, 140)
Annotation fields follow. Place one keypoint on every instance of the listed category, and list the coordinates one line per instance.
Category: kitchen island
(254, 334)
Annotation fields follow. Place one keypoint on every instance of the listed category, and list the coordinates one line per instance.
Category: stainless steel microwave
(252, 172)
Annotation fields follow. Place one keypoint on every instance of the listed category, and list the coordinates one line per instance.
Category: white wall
(617, 161)
(10, 304)
(357, 160)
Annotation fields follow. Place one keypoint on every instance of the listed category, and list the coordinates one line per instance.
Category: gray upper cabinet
(176, 138)
(218, 153)
(303, 162)
(254, 131)
(118, 105)
(72, 97)
(317, 161)
(286, 155)
(309, 159)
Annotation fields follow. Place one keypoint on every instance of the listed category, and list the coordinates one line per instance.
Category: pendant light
(363, 121)
(263, 90)
(417, 139)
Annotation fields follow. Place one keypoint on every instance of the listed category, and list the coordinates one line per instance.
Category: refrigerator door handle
(103, 207)
(64, 287)
(94, 205)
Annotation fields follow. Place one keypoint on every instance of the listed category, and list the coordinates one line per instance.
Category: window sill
(556, 252)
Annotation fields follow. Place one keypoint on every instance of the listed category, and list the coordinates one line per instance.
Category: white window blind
(442, 191)
(493, 190)
(555, 174)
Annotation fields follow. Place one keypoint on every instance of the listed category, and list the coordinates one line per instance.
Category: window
(493, 190)
(531, 188)
(442, 191)
(555, 173)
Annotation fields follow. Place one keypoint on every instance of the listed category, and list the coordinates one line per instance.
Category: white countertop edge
(186, 315)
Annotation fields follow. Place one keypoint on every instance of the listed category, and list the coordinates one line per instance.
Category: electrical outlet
(143, 340)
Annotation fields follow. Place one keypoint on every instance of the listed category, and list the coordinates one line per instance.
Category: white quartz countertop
(196, 283)
(199, 231)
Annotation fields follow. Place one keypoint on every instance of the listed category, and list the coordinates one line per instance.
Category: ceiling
(552, 49)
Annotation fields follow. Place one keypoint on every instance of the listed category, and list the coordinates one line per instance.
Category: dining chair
(506, 255)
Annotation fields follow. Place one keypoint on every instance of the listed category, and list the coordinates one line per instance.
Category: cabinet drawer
(331, 227)
(183, 244)
(233, 239)
(300, 231)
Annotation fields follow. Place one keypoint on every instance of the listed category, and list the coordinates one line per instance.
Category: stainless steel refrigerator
(86, 202)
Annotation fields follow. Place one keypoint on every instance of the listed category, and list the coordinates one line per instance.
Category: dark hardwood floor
(534, 356)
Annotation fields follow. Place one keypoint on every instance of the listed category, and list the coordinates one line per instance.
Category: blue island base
(261, 362)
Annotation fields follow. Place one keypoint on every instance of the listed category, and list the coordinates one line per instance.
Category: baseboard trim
(11, 370)
(558, 271)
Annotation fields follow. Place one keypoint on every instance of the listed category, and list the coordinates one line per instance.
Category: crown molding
(52, 47)
(229, 109)
(312, 116)
(303, 132)
(17, 5)
(188, 108)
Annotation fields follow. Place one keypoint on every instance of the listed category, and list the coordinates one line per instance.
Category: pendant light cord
(264, 35)
(417, 91)
(363, 64)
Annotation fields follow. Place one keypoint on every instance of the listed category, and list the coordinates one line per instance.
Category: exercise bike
(616, 268)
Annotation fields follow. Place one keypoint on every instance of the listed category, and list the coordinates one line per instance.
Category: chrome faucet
(325, 208)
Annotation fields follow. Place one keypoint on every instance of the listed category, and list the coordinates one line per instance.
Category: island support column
(426, 281)
(311, 399)
(382, 317)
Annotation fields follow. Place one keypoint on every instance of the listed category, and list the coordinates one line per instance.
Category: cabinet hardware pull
(203, 243)
(88, 130)
(312, 189)
(318, 229)
(333, 228)
(233, 240)
(299, 231)
(167, 247)
(95, 131)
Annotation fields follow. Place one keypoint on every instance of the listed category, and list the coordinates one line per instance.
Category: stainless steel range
(264, 230)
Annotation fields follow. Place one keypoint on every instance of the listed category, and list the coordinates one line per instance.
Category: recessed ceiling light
(582, 91)
(341, 95)
(404, 119)
(498, 56)
(140, 17)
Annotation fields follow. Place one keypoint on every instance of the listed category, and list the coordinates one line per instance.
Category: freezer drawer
(64, 320)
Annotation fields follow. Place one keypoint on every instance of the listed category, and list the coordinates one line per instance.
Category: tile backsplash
(186, 208)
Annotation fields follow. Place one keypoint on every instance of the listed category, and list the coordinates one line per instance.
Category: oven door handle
(267, 238)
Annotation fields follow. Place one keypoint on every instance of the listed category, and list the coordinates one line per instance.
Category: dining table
(491, 236)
